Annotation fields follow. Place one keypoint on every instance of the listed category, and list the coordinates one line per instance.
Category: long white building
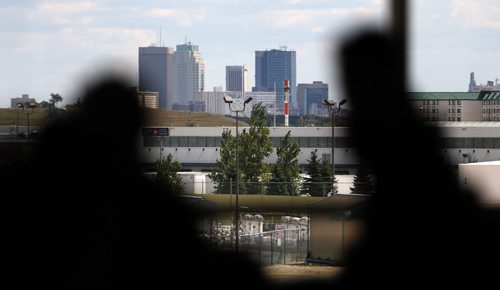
(197, 148)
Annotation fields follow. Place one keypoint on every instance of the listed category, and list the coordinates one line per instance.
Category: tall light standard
(28, 110)
(17, 123)
(331, 108)
(237, 105)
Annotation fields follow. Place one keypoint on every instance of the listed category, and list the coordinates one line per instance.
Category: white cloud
(73, 21)
(476, 14)
(319, 29)
(161, 12)
(182, 17)
(300, 17)
(66, 7)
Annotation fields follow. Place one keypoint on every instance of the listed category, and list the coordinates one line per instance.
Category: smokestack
(286, 86)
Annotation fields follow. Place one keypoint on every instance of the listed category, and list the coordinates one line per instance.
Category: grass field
(9, 117)
(263, 203)
(152, 118)
(185, 119)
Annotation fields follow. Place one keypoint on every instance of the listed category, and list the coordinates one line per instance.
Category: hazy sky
(51, 46)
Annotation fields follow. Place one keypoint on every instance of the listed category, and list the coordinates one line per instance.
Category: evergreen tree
(286, 171)
(328, 185)
(254, 146)
(166, 174)
(311, 184)
(319, 182)
(225, 167)
(363, 182)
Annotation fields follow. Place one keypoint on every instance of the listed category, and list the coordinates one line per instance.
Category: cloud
(73, 21)
(319, 29)
(299, 17)
(66, 7)
(161, 12)
(476, 14)
(182, 17)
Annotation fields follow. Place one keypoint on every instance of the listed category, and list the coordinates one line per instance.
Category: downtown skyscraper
(272, 67)
(189, 73)
(156, 73)
(237, 78)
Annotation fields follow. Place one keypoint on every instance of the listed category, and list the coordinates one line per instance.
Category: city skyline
(272, 68)
(53, 46)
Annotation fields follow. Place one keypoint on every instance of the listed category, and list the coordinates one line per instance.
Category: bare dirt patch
(300, 273)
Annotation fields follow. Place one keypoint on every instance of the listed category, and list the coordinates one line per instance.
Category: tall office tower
(472, 82)
(272, 67)
(237, 78)
(489, 86)
(309, 98)
(189, 73)
(156, 73)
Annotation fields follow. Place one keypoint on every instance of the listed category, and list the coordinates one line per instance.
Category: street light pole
(27, 109)
(17, 123)
(331, 108)
(237, 105)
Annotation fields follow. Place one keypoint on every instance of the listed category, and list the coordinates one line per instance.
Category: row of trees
(256, 177)
(253, 146)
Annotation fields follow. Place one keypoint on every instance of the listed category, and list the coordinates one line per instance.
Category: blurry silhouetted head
(99, 135)
(110, 110)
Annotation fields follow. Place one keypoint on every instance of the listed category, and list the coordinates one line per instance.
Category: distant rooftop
(483, 95)
(442, 96)
(464, 124)
(485, 163)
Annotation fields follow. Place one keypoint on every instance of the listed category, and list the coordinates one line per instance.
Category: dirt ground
(300, 272)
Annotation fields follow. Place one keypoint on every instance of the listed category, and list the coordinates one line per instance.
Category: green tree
(166, 174)
(76, 104)
(326, 178)
(319, 182)
(312, 184)
(225, 167)
(286, 172)
(363, 182)
(55, 98)
(254, 146)
(43, 104)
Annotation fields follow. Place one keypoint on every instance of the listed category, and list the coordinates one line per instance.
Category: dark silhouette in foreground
(423, 231)
(79, 214)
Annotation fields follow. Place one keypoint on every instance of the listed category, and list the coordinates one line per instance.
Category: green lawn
(152, 118)
(263, 203)
(9, 117)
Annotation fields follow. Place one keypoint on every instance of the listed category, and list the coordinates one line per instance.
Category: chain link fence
(276, 247)
(285, 241)
(324, 189)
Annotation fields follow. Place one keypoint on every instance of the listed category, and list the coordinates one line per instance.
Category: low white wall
(483, 178)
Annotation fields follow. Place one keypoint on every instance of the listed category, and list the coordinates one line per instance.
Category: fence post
(272, 253)
(217, 233)
(284, 247)
(231, 211)
(211, 233)
(298, 243)
(260, 240)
